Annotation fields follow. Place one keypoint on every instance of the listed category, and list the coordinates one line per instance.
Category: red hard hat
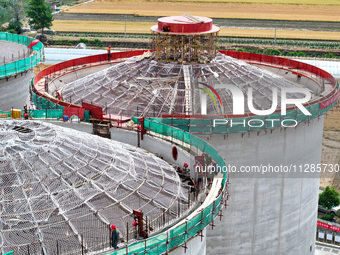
(109, 46)
(185, 164)
(203, 153)
(113, 226)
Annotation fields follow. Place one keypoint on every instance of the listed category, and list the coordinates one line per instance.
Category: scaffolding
(184, 48)
(184, 39)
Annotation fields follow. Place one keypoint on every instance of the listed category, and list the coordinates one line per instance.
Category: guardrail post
(82, 244)
(163, 217)
(178, 207)
(185, 237)
(167, 242)
(127, 232)
(188, 198)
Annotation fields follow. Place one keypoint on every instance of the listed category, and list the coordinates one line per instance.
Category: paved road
(326, 249)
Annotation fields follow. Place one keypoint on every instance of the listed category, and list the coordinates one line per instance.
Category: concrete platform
(326, 249)
(11, 52)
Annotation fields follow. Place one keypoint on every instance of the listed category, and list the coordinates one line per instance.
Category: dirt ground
(40, 67)
(331, 148)
(215, 10)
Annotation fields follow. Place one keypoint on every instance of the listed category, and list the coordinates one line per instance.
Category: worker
(207, 159)
(166, 28)
(135, 225)
(185, 169)
(214, 168)
(199, 176)
(184, 172)
(109, 53)
(25, 112)
(59, 97)
(114, 236)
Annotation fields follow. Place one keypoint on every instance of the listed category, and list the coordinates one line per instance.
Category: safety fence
(317, 108)
(24, 64)
(178, 236)
(39, 114)
(297, 67)
(44, 102)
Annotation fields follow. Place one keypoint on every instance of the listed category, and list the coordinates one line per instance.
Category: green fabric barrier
(8, 113)
(176, 239)
(258, 122)
(178, 236)
(194, 221)
(179, 230)
(21, 65)
(43, 103)
(46, 114)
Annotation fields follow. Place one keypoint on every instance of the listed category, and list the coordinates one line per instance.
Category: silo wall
(14, 92)
(269, 213)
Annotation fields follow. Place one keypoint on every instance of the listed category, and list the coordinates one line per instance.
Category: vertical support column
(187, 81)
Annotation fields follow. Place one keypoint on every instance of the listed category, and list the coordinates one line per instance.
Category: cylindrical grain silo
(236, 102)
(16, 69)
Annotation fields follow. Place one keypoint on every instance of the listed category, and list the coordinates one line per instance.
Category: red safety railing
(294, 66)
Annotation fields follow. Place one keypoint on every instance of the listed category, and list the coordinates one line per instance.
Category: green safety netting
(46, 114)
(21, 65)
(178, 236)
(8, 113)
(43, 103)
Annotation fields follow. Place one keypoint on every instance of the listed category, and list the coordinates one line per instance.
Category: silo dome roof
(152, 89)
(58, 183)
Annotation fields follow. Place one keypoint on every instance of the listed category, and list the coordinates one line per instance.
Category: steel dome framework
(61, 189)
(152, 89)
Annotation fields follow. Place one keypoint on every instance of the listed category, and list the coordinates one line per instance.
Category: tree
(329, 198)
(13, 11)
(40, 13)
(16, 26)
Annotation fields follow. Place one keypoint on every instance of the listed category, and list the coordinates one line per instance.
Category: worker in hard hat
(114, 236)
(109, 53)
(166, 28)
(185, 172)
(185, 168)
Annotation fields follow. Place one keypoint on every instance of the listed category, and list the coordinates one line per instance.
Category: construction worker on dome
(184, 172)
(109, 53)
(114, 237)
